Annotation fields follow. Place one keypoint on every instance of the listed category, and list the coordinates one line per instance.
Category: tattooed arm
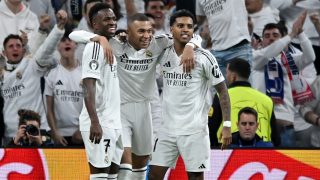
(225, 107)
(89, 90)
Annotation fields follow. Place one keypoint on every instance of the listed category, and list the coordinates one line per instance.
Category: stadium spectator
(187, 134)
(42, 7)
(261, 14)
(138, 4)
(276, 72)
(228, 29)
(20, 78)
(243, 95)
(205, 35)
(315, 19)
(64, 96)
(303, 130)
(16, 17)
(72, 7)
(154, 7)
(290, 10)
(29, 133)
(248, 125)
(311, 113)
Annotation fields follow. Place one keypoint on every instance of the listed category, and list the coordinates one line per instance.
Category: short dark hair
(146, 3)
(181, 13)
(95, 9)
(137, 17)
(248, 110)
(11, 36)
(27, 115)
(85, 8)
(240, 66)
(280, 27)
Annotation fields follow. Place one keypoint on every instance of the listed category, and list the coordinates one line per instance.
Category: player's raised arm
(82, 36)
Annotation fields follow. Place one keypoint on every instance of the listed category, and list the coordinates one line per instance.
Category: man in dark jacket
(248, 125)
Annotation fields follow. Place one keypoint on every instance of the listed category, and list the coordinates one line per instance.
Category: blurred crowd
(267, 50)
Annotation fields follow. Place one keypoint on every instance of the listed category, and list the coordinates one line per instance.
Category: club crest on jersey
(148, 53)
(216, 71)
(19, 75)
(106, 159)
(93, 64)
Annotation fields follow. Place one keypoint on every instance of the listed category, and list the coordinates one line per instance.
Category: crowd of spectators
(270, 48)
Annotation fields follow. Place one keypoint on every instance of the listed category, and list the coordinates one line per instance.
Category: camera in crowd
(32, 130)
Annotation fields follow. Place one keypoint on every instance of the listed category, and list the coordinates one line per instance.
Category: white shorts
(194, 150)
(137, 127)
(109, 149)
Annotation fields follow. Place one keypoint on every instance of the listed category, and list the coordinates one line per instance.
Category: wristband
(190, 44)
(227, 123)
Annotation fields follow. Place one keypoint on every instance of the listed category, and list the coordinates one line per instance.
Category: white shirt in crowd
(228, 21)
(66, 89)
(262, 56)
(21, 87)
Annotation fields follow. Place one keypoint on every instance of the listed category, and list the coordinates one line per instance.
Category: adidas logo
(202, 166)
(124, 56)
(59, 83)
(167, 64)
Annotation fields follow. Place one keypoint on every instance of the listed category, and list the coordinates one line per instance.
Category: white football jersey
(65, 87)
(107, 105)
(185, 104)
(137, 69)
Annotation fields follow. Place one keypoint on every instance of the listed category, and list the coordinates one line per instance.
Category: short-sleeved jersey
(227, 19)
(137, 69)
(186, 103)
(66, 89)
(107, 98)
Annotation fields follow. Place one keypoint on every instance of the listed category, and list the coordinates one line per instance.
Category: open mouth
(15, 55)
(67, 48)
(185, 36)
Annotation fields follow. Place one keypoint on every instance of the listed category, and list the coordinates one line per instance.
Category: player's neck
(178, 47)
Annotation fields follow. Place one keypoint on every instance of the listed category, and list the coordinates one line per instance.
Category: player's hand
(187, 59)
(58, 139)
(106, 47)
(225, 137)
(95, 133)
